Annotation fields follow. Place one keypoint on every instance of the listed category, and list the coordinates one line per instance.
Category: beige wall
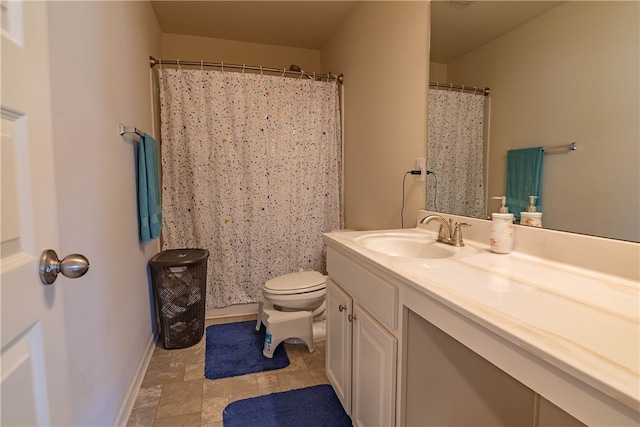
(100, 77)
(382, 49)
(570, 75)
(176, 46)
(438, 73)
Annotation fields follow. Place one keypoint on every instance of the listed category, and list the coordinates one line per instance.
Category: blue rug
(236, 349)
(316, 406)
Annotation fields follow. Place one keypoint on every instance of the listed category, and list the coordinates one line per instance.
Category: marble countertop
(583, 322)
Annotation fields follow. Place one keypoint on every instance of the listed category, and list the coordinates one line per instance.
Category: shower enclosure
(251, 171)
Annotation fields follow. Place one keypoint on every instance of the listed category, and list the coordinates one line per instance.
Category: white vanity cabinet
(478, 339)
(361, 352)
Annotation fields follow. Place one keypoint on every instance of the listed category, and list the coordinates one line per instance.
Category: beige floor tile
(142, 417)
(163, 375)
(194, 372)
(148, 397)
(160, 357)
(187, 420)
(228, 386)
(252, 393)
(180, 399)
(212, 408)
(293, 380)
(319, 376)
(190, 356)
(295, 350)
(267, 380)
(295, 364)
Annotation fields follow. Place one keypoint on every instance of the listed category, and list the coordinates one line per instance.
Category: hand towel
(149, 189)
(524, 178)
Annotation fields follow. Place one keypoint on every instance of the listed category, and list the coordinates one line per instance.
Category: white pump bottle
(531, 217)
(502, 238)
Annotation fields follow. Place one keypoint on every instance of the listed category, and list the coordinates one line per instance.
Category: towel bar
(568, 147)
(127, 129)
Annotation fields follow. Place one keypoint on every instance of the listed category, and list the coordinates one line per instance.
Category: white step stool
(282, 325)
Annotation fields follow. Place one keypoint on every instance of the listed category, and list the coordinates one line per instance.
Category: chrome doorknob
(71, 266)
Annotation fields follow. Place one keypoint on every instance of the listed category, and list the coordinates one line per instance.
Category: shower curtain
(251, 169)
(455, 153)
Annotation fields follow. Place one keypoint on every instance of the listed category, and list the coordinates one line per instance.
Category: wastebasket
(179, 279)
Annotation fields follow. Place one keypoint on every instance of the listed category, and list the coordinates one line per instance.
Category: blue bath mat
(316, 406)
(236, 349)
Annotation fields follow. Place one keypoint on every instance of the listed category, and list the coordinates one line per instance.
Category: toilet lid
(303, 281)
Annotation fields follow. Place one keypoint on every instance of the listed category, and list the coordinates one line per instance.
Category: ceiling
(457, 26)
(302, 24)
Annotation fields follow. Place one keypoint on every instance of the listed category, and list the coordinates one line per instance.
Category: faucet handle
(457, 233)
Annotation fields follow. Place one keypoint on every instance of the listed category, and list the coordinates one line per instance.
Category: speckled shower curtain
(455, 152)
(251, 170)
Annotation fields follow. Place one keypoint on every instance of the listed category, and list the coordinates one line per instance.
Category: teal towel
(149, 189)
(524, 178)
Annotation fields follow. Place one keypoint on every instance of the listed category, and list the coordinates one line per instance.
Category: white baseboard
(232, 310)
(134, 386)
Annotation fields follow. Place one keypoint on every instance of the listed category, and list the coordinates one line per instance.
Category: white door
(35, 380)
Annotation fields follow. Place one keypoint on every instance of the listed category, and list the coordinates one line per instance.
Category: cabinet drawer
(379, 297)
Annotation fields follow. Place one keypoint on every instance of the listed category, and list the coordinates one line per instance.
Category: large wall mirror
(558, 73)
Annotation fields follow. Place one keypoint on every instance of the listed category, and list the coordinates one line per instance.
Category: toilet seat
(296, 283)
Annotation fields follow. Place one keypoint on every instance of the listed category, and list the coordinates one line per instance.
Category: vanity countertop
(583, 322)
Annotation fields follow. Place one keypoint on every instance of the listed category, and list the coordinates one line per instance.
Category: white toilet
(292, 308)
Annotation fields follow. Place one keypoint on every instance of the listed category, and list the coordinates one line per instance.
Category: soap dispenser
(531, 217)
(502, 238)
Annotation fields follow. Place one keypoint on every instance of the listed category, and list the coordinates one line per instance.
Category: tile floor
(174, 391)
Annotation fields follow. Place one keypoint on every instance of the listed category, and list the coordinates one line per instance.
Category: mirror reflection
(559, 73)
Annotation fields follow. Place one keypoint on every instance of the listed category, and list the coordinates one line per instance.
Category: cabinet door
(339, 342)
(374, 372)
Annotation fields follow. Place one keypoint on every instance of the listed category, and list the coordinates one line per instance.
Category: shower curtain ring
(284, 70)
(437, 85)
(261, 70)
(462, 90)
(222, 67)
(242, 68)
(178, 62)
(314, 76)
(450, 86)
(201, 65)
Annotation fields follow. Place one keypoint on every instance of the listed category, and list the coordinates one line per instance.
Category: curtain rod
(314, 76)
(449, 86)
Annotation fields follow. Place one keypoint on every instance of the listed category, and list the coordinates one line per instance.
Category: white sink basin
(416, 245)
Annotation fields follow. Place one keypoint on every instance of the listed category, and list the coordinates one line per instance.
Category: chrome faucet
(448, 233)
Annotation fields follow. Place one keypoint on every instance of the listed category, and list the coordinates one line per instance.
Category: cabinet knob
(352, 317)
(342, 308)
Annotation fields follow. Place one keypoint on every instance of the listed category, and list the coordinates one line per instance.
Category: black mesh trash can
(179, 285)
